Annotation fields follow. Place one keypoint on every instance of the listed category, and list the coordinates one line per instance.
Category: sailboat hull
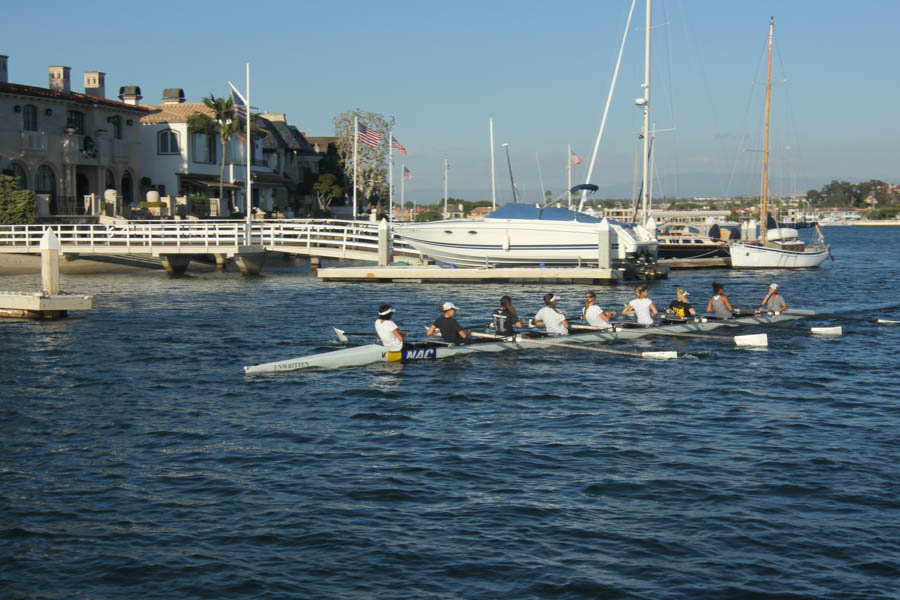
(755, 256)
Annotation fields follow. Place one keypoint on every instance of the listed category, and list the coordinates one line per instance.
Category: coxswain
(390, 335)
(506, 319)
(774, 301)
(680, 307)
(593, 314)
(551, 318)
(641, 306)
(451, 330)
(719, 304)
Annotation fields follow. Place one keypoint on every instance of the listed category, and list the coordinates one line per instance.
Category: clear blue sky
(543, 72)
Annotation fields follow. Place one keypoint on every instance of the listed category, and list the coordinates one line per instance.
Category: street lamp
(511, 182)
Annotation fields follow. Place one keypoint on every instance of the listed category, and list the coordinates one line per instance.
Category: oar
(655, 355)
(760, 339)
(812, 313)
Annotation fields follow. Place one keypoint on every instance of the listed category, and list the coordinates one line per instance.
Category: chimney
(173, 96)
(95, 84)
(4, 74)
(59, 79)
(130, 94)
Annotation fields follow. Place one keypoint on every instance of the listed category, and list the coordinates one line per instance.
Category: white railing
(303, 236)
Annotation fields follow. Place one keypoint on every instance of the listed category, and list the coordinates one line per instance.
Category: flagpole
(355, 161)
(402, 186)
(446, 164)
(390, 176)
(249, 196)
(493, 182)
(541, 176)
(569, 169)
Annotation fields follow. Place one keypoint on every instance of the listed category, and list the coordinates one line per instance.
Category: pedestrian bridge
(175, 241)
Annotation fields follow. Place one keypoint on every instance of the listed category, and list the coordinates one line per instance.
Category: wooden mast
(763, 215)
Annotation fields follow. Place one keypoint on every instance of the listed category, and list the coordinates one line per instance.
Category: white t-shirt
(592, 316)
(385, 331)
(641, 308)
(552, 320)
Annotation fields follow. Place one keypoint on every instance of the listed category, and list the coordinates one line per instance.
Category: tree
(225, 124)
(326, 189)
(17, 206)
(371, 178)
(428, 215)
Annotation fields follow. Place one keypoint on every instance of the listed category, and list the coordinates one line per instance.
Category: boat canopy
(550, 213)
(584, 186)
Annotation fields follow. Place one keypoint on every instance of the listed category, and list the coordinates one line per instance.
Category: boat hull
(754, 256)
(685, 251)
(375, 353)
(519, 242)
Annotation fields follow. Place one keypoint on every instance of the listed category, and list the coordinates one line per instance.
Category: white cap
(774, 286)
(447, 306)
(687, 293)
(555, 298)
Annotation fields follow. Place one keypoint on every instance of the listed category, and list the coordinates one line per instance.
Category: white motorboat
(518, 234)
(777, 247)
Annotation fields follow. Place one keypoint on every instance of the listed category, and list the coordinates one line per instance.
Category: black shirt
(450, 329)
(680, 308)
(503, 321)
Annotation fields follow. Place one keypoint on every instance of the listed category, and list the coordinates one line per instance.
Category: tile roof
(174, 113)
(38, 92)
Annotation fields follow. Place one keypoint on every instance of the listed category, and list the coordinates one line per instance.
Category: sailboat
(777, 247)
(523, 235)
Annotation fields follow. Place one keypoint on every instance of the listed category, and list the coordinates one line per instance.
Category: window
(204, 148)
(115, 124)
(167, 142)
(45, 181)
(110, 180)
(18, 172)
(29, 117)
(75, 120)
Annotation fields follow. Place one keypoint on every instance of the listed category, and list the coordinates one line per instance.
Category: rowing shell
(374, 353)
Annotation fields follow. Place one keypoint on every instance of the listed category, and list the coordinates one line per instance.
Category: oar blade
(342, 338)
(827, 330)
(759, 339)
(888, 322)
(660, 355)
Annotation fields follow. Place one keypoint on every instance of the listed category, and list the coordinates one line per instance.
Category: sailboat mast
(645, 193)
(763, 212)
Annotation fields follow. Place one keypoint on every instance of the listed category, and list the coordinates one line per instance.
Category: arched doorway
(18, 172)
(127, 188)
(45, 183)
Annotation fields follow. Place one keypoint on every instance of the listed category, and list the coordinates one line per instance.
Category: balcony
(34, 142)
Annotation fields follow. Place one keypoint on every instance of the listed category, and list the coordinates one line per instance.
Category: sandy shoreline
(25, 264)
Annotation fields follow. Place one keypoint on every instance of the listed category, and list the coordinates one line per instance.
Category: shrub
(17, 206)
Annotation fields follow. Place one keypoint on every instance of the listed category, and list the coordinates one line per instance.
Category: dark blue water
(137, 461)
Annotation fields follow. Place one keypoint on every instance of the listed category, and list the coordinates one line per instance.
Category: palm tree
(225, 123)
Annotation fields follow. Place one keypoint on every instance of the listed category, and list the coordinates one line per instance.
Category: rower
(551, 318)
(505, 318)
(774, 301)
(451, 330)
(719, 304)
(680, 307)
(593, 314)
(390, 335)
(642, 307)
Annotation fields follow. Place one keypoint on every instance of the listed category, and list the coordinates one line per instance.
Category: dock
(48, 303)
(436, 274)
(723, 262)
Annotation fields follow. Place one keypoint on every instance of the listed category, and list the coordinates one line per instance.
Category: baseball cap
(447, 306)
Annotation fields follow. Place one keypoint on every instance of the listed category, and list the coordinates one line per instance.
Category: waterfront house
(178, 161)
(64, 145)
(292, 158)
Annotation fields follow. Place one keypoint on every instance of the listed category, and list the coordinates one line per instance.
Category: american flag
(367, 136)
(398, 146)
(407, 173)
(576, 160)
(240, 109)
